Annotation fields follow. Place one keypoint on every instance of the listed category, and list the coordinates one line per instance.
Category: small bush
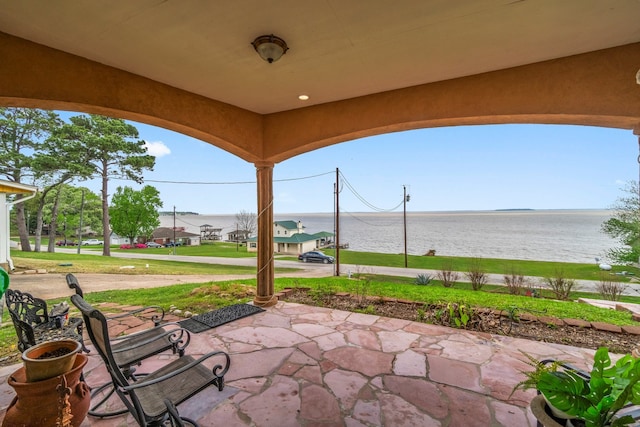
(560, 286)
(423, 279)
(476, 274)
(610, 290)
(515, 283)
(447, 276)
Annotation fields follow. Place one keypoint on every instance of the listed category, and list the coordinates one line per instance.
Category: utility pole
(337, 219)
(405, 199)
(174, 230)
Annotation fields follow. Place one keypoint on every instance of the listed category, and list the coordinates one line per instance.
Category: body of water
(546, 235)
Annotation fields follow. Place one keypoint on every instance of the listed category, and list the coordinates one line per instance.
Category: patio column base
(265, 301)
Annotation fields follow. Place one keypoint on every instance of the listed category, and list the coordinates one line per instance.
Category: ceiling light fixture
(270, 48)
(303, 97)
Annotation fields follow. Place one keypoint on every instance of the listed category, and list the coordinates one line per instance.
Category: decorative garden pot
(49, 359)
(538, 407)
(43, 403)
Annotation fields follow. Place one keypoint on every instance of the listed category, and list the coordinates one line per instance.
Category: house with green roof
(289, 237)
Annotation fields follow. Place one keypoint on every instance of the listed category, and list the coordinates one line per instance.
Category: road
(54, 285)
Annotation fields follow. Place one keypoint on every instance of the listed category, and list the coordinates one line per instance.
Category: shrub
(476, 274)
(560, 286)
(423, 279)
(610, 290)
(446, 275)
(515, 283)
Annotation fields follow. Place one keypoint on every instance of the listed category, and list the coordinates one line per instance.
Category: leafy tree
(22, 132)
(59, 161)
(246, 221)
(113, 150)
(624, 226)
(69, 210)
(135, 213)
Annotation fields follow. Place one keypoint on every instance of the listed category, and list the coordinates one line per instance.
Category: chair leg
(174, 418)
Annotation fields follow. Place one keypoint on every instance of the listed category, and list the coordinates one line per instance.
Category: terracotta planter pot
(38, 369)
(36, 403)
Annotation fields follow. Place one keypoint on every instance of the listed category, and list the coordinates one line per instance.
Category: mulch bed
(487, 321)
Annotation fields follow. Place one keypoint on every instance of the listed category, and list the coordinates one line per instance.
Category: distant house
(116, 239)
(209, 232)
(165, 235)
(238, 235)
(289, 238)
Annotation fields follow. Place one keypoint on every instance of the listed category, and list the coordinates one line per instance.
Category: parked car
(172, 244)
(66, 243)
(153, 245)
(316, 256)
(92, 242)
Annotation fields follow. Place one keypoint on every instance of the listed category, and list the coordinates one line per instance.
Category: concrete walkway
(297, 365)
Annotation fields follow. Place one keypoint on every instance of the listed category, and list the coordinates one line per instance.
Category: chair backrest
(26, 307)
(26, 311)
(72, 282)
(96, 325)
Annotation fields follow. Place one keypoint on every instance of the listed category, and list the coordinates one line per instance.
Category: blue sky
(457, 168)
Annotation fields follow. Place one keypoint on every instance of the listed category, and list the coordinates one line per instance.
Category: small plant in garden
(360, 289)
(369, 310)
(447, 275)
(609, 289)
(422, 315)
(459, 314)
(322, 292)
(515, 283)
(560, 286)
(476, 274)
(423, 279)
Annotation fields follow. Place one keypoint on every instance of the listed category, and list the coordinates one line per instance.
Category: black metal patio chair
(152, 398)
(35, 324)
(130, 350)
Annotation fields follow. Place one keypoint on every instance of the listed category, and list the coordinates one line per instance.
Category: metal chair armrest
(218, 370)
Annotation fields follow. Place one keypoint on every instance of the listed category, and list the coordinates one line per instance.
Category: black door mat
(202, 322)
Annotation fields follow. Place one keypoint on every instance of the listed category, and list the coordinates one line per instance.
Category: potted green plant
(597, 398)
(533, 378)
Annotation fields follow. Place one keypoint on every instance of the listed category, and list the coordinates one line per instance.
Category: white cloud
(157, 148)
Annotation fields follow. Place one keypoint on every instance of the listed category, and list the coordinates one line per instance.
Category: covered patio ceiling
(368, 67)
(338, 49)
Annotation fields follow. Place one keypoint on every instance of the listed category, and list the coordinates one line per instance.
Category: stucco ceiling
(339, 49)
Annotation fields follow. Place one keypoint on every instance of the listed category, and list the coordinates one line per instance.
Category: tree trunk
(22, 225)
(38, 236)
(106, 249)
(53, 225)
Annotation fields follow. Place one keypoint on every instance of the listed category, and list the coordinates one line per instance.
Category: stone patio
(296, 365)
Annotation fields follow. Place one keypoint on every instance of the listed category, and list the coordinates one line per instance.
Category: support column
(265, 275)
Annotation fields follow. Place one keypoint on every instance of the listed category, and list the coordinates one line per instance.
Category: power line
(225, 182)
(365, 201)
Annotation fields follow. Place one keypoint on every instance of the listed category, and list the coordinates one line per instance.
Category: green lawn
(490, 265)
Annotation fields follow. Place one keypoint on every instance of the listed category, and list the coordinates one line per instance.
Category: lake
(545, 235)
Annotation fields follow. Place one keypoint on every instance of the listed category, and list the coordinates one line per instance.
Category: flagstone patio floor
(297, 365)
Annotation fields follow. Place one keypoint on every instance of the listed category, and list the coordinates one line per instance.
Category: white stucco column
(4, 240)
